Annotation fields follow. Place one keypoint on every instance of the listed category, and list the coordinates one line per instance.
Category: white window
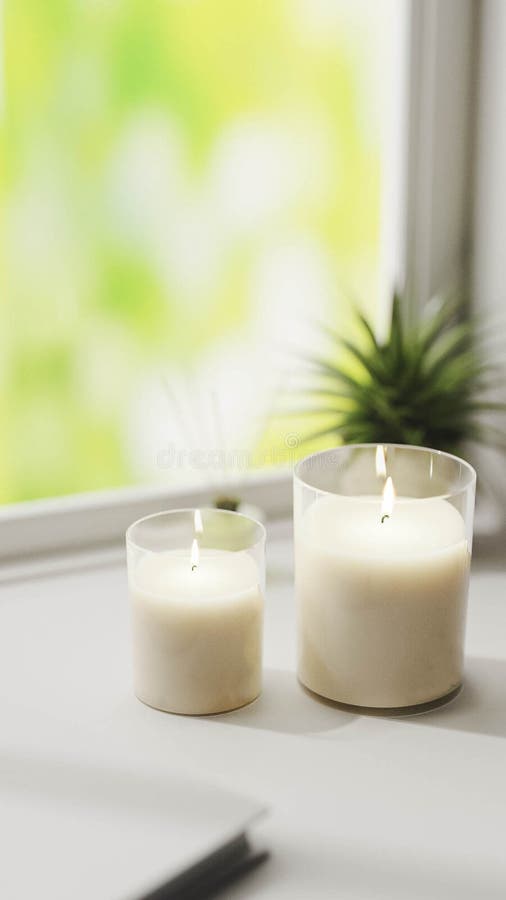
(188, 188)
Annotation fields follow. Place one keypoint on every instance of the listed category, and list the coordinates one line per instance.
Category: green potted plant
(430, 384)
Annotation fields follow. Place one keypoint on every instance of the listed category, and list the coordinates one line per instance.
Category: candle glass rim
(470, 481)
(191, 510)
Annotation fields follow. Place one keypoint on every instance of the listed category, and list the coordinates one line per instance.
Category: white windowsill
(368, 807)
(98, 520)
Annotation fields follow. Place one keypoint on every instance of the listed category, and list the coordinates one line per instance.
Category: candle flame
(197, 522)
(381, 462)
(195, 554)
(387, 504)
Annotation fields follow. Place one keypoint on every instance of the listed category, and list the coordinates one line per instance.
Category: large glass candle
(383, 539)
(196, 580)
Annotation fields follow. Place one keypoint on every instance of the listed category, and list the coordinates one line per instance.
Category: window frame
(429, 252)
(422, 251)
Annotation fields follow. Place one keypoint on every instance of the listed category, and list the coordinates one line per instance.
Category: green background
(119, 128)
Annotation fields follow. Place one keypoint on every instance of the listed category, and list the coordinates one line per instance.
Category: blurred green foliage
(121, 119)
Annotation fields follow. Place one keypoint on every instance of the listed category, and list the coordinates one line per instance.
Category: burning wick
(387, 504)
(195, 554)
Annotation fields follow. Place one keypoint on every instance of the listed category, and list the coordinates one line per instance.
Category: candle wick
(386, 516)
(194, 567)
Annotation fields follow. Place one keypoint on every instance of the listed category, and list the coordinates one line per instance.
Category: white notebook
(74, 830)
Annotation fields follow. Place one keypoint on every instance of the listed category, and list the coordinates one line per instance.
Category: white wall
(489, 226)
(488, 272)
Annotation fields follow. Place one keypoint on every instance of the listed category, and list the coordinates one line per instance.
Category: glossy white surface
(362, 808)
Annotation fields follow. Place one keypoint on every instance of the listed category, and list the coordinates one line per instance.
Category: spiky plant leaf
(427, 385)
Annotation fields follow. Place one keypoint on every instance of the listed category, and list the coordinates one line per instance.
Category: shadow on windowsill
(285, 706)
(480, 708)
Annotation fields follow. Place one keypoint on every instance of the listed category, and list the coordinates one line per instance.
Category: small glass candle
(196, 582)
(383, 538)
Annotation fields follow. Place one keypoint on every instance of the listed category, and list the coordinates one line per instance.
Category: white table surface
(361, 807)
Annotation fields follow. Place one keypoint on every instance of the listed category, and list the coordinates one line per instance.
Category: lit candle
(381, 585)
(197, 627)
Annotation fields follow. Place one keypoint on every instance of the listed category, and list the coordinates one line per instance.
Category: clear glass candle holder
(383, 538)
(196, 584)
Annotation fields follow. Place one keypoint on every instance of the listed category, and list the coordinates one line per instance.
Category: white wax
(381, 607)
(197, 635)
